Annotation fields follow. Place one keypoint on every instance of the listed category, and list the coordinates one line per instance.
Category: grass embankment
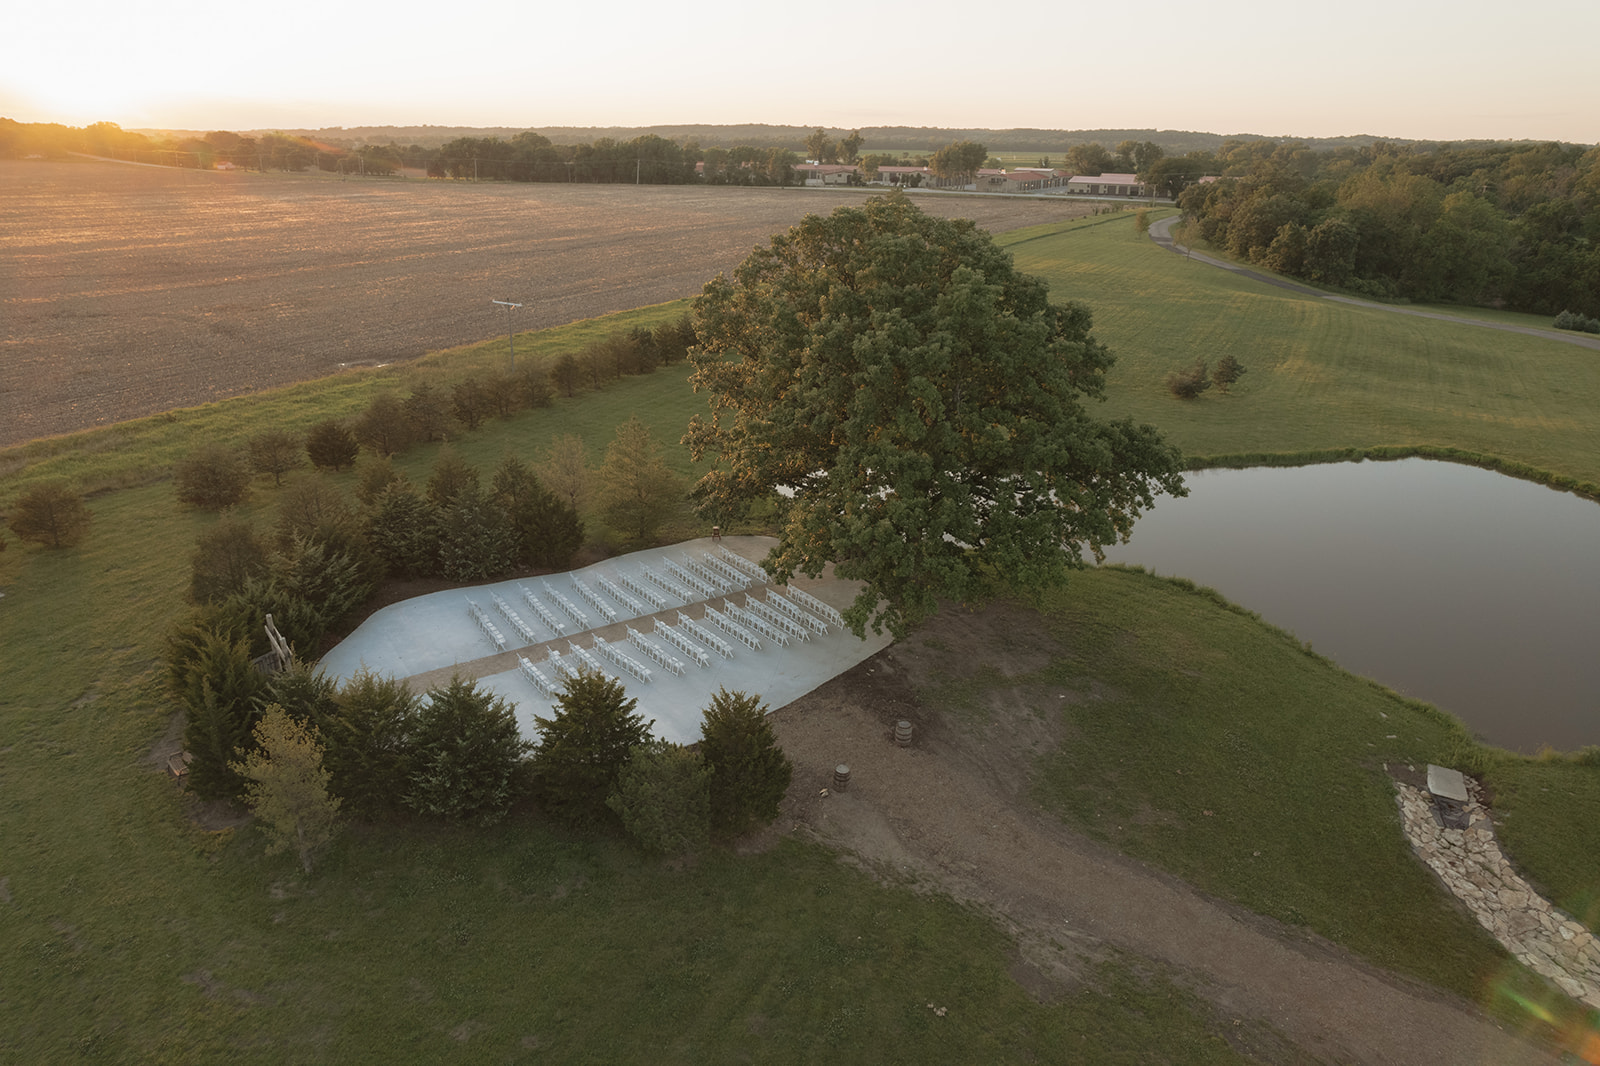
(137, 935)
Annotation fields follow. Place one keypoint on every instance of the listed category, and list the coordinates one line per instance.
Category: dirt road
(128, 291)
(952, 810)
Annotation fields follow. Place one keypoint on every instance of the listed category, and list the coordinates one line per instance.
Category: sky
(1415, 69)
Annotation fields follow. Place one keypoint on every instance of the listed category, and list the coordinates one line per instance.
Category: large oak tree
(924, 403)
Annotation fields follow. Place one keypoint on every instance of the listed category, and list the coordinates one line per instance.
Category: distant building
(1108, 185)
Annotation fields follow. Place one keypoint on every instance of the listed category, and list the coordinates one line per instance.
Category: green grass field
(1321, 376)
(132, 934)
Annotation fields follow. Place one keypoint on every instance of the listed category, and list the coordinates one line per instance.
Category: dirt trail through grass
(951, 812)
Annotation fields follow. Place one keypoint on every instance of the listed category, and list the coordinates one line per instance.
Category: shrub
(1227, 372)
(532, 387)
(212, 476)
(275, 452)
(663, 799)
(50, 514)
(1190, 382)
(427, 413)
(467, 755)
(471, 403)
(331, 446)
(1574, 321)
(382, 427)
(226, 557)
(749, 772)
(374, 477)
(582, 750)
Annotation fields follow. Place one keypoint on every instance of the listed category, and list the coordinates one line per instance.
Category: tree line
(304, 753)
(1515, 226)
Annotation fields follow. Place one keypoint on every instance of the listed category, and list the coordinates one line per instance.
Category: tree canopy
(923, 402)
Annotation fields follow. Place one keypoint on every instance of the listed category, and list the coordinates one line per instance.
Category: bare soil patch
(133, 290)
(951, 814)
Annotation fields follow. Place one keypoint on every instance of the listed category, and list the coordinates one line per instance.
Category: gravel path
(951, 810)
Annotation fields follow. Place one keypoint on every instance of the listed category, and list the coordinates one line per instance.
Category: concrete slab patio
(429, 639)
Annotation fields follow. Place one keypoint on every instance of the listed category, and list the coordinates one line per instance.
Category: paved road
(1161, 233)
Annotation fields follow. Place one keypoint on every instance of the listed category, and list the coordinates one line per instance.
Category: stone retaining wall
(1471, 865)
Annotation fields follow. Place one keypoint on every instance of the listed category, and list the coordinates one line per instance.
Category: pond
(1471, 590)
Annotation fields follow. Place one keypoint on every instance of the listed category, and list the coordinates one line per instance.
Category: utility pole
(511, 345)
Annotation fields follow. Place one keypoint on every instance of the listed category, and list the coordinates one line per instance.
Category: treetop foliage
(924, 403)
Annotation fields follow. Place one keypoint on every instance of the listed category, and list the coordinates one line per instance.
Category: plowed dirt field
(129, 290)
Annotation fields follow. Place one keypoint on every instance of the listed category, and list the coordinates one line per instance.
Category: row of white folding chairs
(780, 602)
(488, 627)
(633, 584)
(623, 659)
(523, 629)
(706, 591)
(566, 605)
(663, 657)
(764, 628)
(535, 675)
(595, 601)
(629, 604)
(728, 571)
(556, 625)
(668, 584)
(776, 617)
(714, 578)
(816, 606)
(683, 643)
(739, 562)
(733, 629)
(704, 636)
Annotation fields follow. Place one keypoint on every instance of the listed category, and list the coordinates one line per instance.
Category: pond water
(1471, 590)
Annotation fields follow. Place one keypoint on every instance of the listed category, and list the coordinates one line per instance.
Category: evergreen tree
(546, 531)
(220, 689)
(225, 557)
(331, 446)
(475, 541)
(749, 772)
(403, 529)
(582, 750)
(371, 738)
(663, 799)
(467, 755)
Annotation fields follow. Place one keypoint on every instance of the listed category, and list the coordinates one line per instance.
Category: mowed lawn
(133, 934)
(1320, 375)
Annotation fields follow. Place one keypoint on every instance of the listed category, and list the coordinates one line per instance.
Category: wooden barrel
(841, 777)
(902, 733)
